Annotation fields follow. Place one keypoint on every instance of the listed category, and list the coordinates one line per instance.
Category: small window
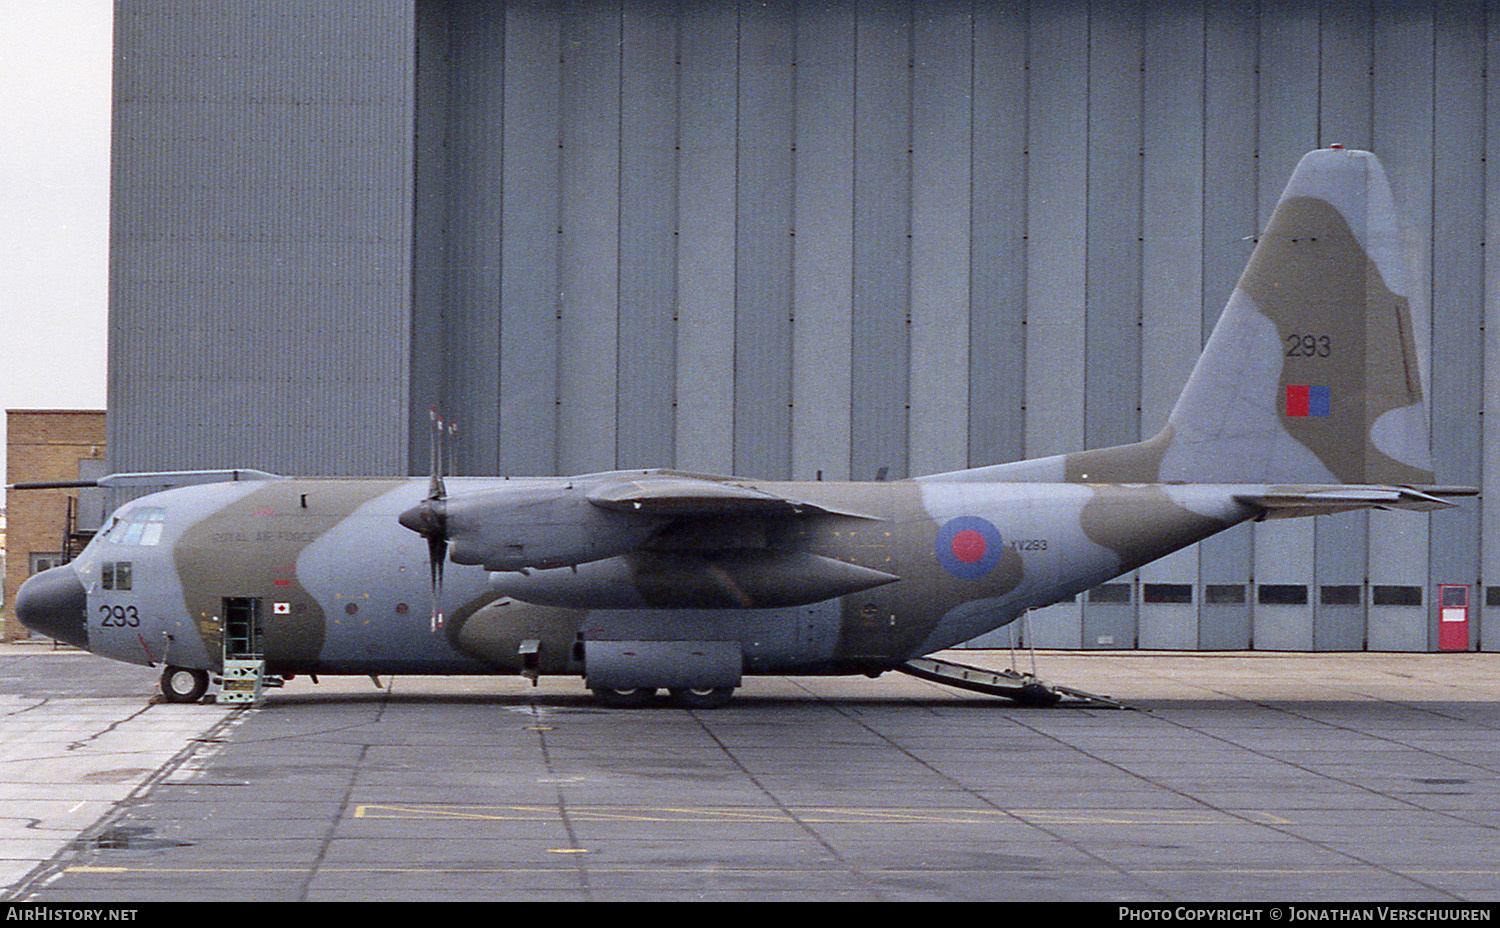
(116, 575)
(41, 561)
(1455, 595)
(1492, 596)
(1224, 594)
(1110, 593)
(1167, 593)
(1339, 595)
(1281, 594)
(1386, 595)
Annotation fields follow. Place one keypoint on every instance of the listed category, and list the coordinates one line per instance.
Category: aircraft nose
(54, 603)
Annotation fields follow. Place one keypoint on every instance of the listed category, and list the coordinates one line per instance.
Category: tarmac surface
(1261, 777)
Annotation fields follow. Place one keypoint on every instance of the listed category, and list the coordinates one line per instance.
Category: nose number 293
(119, 617)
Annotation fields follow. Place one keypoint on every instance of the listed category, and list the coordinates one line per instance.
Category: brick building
(45, 445)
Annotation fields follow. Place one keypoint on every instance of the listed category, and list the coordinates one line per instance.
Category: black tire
(706, 698)
(637, 698)
(180, 684)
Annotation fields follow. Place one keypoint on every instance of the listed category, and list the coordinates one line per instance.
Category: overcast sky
(54, 203)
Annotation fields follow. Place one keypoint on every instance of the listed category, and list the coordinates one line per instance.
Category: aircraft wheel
(707, 698)
(179, 684)
(635, 698)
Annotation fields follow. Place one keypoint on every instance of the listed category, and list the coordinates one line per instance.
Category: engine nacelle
(538, 527)
(725, 580)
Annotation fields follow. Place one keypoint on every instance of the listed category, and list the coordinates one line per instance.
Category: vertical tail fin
(1311, 374)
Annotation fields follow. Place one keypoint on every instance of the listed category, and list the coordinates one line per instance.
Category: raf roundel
(968, 547)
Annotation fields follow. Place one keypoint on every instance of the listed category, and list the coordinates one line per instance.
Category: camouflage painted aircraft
(1307, 400)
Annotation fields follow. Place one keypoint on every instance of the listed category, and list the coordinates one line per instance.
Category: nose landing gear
(181, 684)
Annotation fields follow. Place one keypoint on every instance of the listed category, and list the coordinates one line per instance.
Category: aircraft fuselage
(340, 587)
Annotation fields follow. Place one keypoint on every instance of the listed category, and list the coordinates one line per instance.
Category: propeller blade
(437, 554)
(429, 518)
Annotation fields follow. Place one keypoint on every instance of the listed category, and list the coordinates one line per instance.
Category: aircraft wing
(520, 525)
(640, 539)
(670, 494)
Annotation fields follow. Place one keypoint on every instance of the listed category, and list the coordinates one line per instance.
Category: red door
(1453, 617)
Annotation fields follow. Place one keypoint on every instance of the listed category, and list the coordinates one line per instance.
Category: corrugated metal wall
(786, 238)
(260, 235)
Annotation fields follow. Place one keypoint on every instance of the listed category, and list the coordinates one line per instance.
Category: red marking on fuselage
(969, 546)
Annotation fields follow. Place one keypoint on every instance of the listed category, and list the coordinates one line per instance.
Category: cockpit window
(142, 526)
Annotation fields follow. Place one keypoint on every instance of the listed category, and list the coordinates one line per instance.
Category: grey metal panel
(1057, 227)
(1340, 542)
(429, 244)
(193, 176)
(763, 244)
(473, 211)
(1110, 626)
(530, 242)
(1489, 616)
(1112, 347)
(709, 47)
(1289, 68)
(648, 222)
(1112, 326)
(589, 262)
(1230, 223)
(1173, 43)
(1457, 296)
(998, 287)
(941, 132)
(1288, 128)
(880, 349)
(1172, 206)
(823, 258)
(1402, 127)
(1344, 80)
(1059, 625)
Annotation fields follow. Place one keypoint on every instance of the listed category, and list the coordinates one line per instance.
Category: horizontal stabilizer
(1292, 502)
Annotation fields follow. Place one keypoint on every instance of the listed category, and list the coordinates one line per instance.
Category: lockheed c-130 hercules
(1307, 400)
